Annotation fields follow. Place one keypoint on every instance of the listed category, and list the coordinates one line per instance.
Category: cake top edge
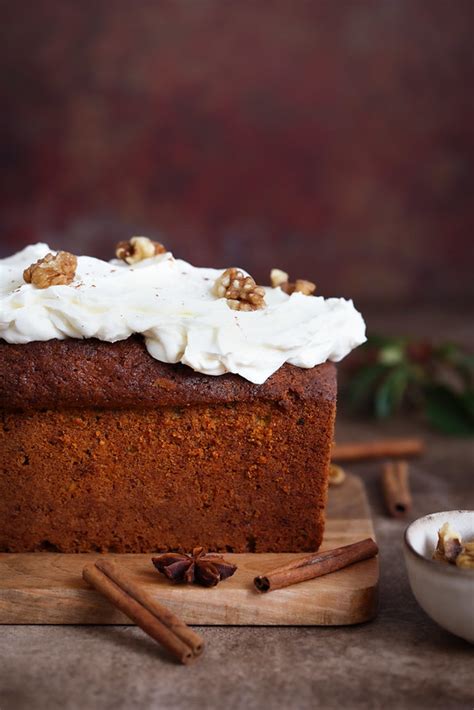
(213, 320)
(93, 374)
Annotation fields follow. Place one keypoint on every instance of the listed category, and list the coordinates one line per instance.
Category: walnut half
(241, 292)
(52, 270)
(137, 249)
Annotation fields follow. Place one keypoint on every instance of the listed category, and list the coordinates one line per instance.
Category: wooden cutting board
(47, 588)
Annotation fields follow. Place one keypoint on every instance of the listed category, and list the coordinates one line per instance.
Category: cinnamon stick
(396, 488)
(156, 620)
(389, 448)
(316, 565)
(173, 622)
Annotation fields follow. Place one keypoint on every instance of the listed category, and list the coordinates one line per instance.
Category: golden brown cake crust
(67, 374)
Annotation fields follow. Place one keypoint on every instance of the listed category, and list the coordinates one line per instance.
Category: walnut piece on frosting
(137, 249)
(303, 286)
(280, 278)
(449, 544)
(52, 270)
(241, 292)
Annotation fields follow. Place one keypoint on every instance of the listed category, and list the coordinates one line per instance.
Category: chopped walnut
(465, 558)
(449, 544)
(281, 279)
(303, 286)
(278, 277)
(337, 475)
(241, 292)
(137, 249)
(52, 270)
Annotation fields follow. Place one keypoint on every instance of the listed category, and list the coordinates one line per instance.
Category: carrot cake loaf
(147, 405)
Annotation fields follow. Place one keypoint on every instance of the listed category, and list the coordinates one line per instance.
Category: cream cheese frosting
(172, 304)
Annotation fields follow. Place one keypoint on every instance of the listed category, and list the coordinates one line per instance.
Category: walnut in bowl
(444, 590)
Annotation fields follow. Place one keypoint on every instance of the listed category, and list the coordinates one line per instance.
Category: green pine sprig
(390, 375)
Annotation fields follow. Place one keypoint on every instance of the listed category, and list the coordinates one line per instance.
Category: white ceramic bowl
(445, 592)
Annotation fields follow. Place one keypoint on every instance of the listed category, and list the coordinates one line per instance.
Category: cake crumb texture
(230, 478)
(197, 460)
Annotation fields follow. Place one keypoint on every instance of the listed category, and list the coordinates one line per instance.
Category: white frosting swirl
(172, 304)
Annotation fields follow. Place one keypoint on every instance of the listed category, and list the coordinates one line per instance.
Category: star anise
(196, 568)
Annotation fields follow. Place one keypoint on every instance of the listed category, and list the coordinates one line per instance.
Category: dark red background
(333, 139)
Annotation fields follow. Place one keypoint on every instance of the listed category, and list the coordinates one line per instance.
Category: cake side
(68, 374)
(232, 476)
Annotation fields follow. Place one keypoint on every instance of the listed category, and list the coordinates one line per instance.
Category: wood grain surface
(47, 588)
